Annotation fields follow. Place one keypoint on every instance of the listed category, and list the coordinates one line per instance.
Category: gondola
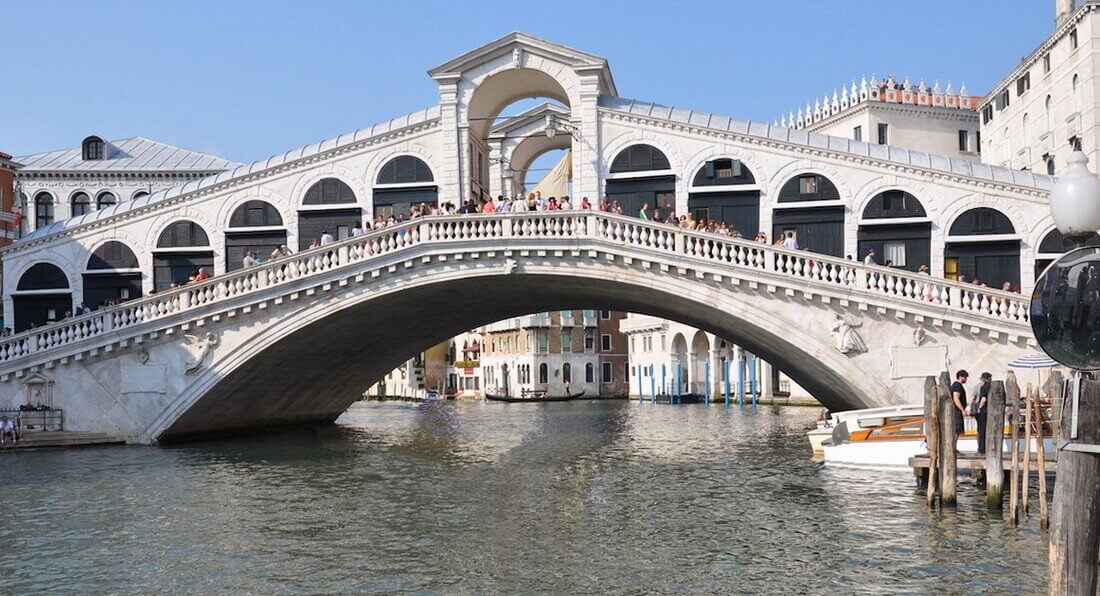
(533, 397)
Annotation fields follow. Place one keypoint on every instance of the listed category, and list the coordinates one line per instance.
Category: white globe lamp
(1075, 200)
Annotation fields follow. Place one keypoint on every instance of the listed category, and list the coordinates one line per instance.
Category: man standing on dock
(958, 397)
(979, 410)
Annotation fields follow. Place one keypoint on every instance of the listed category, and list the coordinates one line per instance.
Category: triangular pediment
(535, 114)
(505, 45)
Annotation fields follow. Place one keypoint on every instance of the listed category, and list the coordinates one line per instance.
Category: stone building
(8, 168)
(917, 116)
(614, 355)
(549, 351)
(1045, 107)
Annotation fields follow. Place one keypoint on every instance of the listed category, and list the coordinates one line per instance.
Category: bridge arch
(640, 174)
(723, 187)
(403, 181)
(283, 355)
(810, 206)
(895, 224)
(112, 274)
(255, 225)
(42, 295)
(982, 244)
(183, 247)
(328, 204)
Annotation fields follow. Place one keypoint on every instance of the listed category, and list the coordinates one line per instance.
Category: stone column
(450, 180)
(586, 148)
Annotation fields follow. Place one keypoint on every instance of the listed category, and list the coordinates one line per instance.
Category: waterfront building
(548, 351)
(932, 118)
(614, 357)
(99, 174)
(8, 167)
(464, 365)
(1045, 107)
(663, 351)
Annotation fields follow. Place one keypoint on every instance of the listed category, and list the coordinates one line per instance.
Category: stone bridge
(297, 340)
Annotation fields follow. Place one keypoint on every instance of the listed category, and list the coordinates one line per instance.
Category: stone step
(36, 440)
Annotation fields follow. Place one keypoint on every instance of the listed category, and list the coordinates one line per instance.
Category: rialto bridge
(296, 340)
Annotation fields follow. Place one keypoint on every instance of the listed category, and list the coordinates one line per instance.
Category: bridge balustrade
(724, 252)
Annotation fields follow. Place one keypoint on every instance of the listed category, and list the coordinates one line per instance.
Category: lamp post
(1075, 532)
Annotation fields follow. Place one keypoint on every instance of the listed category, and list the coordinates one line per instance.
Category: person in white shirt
(357, 230)
(505, 206)
(520, 206)
(326, 238)
(7, 429)
(564, 204)
(790, 241)
(540, 203)
(249, 259)
(870, 258)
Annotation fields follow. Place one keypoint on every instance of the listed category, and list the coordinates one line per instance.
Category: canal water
(567, 497)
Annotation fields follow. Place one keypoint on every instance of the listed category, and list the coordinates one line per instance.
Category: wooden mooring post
(932, 436)
(1025, 480)
(948, 448)
(994, 444)
(1075, 531)
(1013, 394)
(1040, 450)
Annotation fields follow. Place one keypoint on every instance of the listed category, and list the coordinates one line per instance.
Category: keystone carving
(847, 338)
(204, 345)
(918, 336)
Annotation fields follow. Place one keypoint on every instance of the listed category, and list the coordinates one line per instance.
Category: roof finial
(963, 91)
(936, 88)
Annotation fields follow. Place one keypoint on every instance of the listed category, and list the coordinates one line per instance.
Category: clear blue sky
(248, 79)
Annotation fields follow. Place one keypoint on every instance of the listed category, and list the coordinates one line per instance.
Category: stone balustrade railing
(791, 269)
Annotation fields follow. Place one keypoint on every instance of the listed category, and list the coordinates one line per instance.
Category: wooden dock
(61, 439)
(974, 462)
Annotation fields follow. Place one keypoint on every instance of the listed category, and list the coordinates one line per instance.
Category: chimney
(1062, 10)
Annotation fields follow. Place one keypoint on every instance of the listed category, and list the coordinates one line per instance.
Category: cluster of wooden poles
(1028, 425)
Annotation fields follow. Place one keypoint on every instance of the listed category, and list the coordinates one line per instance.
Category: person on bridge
(585, 204)
(958, 398)
(326, 238)
(643, 213)
(249, 259)
(790, 241)
(870, 258)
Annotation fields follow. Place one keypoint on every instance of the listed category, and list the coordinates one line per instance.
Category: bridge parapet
(962, 305)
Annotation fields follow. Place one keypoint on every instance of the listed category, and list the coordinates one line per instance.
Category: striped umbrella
(1034, 361)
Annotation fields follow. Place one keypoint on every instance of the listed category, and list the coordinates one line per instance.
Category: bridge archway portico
(476, 86)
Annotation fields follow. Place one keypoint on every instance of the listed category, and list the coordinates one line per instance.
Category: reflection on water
(581, 496)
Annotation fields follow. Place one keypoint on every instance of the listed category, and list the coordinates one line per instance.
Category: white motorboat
(860, 419)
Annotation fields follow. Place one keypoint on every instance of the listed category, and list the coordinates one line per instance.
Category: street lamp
(1065, 310)
(1075, 200)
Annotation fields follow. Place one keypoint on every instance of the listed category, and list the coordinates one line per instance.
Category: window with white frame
(605, 373)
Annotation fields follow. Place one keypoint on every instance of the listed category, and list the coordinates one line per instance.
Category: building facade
(961, 218)
(614, 355)
(554, 352)
(918, 117)
(666, 355)
(1046, 106)
(8, 228)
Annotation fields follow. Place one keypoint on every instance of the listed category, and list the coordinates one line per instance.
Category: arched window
(808, 187)
(81, 204)
(93, 148)
(139, 194)
(1076, 94)
(543, 373)
(1023, 129)
(112, 275)
(113, 255)
(566, 373)
(589, 373)
(43, 210)
(981, 221)
(893, 203)
(254, 214)
(329, 191)
(639, 158)
(723, 171)
(405, 169)
(1049, 114)
(183, 234)
(43, 276)
(105, 199)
